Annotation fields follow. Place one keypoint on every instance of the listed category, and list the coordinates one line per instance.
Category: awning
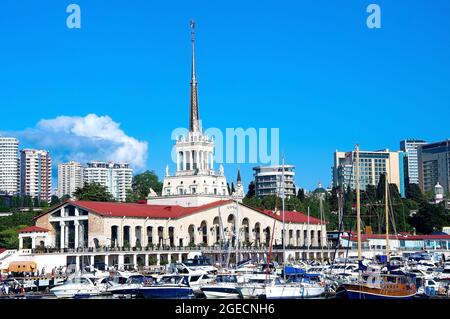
(22, 266)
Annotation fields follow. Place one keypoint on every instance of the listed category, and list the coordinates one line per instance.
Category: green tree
(251, 190)
(414, 193)
(93, 192)
(36, 202)
(252, 201)
(430, 218)
(142, 183)
(301, 194)
(131, 197)
(54, 200)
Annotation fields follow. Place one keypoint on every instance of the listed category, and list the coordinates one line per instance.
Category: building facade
(410, 147)
(70, 177)
(36, 174)
(9, 166)
(116, 177)
(434, 165)
(372, 164)
(268, 180)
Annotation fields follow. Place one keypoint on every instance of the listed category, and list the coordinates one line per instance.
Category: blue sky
(310, 68)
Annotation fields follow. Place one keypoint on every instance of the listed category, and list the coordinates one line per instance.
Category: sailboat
(386, 285)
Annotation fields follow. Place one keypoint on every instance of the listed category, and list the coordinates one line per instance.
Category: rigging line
(272, 235)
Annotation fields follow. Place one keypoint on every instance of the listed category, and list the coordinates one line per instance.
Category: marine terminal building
(117, 233)
(195, 213)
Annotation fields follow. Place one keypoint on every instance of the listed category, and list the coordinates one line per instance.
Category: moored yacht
(224, 286)
(256, 285)
(76, 285)
(169, 287)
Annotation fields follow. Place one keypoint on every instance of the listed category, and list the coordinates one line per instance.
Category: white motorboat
(132, 285)
(295, 289)
(76, 286)
(197, 276)
(256, 285)
(223, 287)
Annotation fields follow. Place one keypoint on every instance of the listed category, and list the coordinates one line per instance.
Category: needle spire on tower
(194, 125)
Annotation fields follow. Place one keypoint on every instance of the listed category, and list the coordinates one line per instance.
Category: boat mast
(386, 208)
(308, 236)
(358, 204)
(282, 207)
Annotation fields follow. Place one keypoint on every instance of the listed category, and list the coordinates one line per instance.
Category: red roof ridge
(32, 229)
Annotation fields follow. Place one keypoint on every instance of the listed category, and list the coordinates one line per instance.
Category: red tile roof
(289, 216)
(2, 250)
(32, 229)
(115, 209)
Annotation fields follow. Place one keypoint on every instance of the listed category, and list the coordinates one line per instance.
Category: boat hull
(71, 293)
(221, 292)
(166, 292)
(293, 292)
(357, 293)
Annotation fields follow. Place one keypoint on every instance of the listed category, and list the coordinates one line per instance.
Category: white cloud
(84, 139)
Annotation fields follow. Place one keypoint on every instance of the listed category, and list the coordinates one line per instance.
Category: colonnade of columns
(195, 159)
(209, 235)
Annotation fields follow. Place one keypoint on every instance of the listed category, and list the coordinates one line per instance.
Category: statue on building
(152, 193)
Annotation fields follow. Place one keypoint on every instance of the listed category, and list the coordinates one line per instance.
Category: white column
(155, 238)
(77, 231)
(132, 236)
(62, 236)
(20, 242)
(169, 258)
(77, 263)
(184, 160)
(135, 265)
(120, 235)
(191, 161)
(92, 260)
(158, 259)
(66, 237)
(205, 160)
(178, 161)
(180, 258)
(146, 260)
(212, 160)
(121, 261)
(106, 262)
(77, 211)
(197, 164)
(33, 242)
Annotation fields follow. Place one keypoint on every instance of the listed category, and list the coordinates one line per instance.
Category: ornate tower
(195, 174)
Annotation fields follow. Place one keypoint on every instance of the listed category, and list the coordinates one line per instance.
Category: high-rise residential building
(36, 174)
(9, 165)
(268, 180)
(372, 164)
(116, 177)
(410, 146)
(70, 177)
(434, 165)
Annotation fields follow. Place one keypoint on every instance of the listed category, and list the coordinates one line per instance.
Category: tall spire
(194, 125)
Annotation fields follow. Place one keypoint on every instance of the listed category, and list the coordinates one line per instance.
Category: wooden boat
(386, 286)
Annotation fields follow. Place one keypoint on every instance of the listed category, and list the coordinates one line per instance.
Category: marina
(428, 273)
